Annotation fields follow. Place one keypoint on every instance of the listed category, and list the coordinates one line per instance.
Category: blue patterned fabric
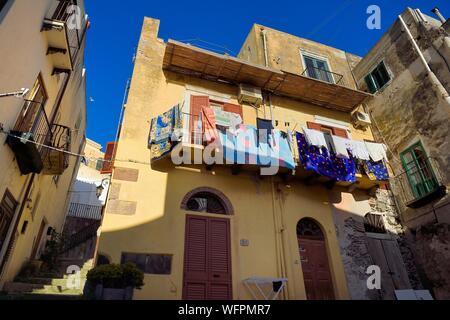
(376, 170)
(165, 133)
(325, 163)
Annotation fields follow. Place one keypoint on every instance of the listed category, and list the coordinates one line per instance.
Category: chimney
(436, 11)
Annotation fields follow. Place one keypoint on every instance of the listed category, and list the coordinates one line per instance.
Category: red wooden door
(207, 259)
(197, 103)
(316, 271)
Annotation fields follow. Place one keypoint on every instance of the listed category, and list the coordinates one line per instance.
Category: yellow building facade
(43, 52)
(149, 219)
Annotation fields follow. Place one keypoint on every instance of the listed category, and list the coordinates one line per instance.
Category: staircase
(53, 285)
(76, 255)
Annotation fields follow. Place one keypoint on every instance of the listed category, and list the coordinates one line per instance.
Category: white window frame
(304, 53)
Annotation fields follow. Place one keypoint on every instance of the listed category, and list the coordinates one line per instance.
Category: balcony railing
(85, 211)
(324, 75)
(34, 140)
(56, 161)
(68, 13)
(34, 129)
(420, 184)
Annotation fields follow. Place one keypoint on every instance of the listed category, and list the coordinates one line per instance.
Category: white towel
(377, 151)
(315, 138)
(340, 147)
(358, 149)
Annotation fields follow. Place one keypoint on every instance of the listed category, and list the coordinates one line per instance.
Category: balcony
(421, 184)
(31, 133)
(186, 59)
(191, 150)
(64, 34)
(57, 160)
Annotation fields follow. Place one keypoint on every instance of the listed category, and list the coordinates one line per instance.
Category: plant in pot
(114, 281)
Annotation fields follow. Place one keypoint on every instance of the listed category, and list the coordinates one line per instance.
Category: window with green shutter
(421, 177)
(378, 78)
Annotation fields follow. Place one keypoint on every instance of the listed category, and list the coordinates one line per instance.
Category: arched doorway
(314, 259)
(207, 253)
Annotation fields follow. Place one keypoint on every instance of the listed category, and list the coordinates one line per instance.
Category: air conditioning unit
(361, 119)
(249, 94)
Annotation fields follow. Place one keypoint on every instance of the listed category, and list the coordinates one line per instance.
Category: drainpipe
(438, 88)
(264, 38)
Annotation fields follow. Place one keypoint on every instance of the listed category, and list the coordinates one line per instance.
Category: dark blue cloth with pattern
(325, 163)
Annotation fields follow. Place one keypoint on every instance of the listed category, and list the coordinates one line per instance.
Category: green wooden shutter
(370, 83)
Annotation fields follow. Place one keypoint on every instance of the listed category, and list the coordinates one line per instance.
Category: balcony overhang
(58, 44)
(192, 61)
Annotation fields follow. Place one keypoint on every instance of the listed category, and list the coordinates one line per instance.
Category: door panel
(386, 254)
(316, 271)
(207, 265)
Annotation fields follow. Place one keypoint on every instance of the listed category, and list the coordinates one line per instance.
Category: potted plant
(114, 281)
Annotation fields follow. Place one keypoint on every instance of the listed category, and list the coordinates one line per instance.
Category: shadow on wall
(164, 234)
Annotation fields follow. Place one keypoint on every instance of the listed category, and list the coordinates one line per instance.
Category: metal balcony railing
(418, 184)
(61, 139)
(34, 120)
(85, 211)
(67, 11)
(324, 75)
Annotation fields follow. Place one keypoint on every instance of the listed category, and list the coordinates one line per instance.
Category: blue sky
(116, 25)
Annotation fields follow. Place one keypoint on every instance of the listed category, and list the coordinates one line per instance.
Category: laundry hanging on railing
(377, 151)
(315, 138)
(242, 148)
(376, 170)
(325, 163)
(228, 120)
(165, 132)
(209, 124)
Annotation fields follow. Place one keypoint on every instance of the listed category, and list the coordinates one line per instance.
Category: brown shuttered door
(234, 108)
(207, 259)
(197, 102)
(340, 132)
(316, 272)
(314, 126)
(109, 156)
(7, 209)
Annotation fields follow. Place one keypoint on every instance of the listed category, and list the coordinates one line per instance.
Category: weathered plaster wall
(284, 53)
(412, 108)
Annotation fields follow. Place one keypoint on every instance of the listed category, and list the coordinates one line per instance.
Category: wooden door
(386, 254)
(7, 209)
(314, 261)
(316, 272)
(207, 259)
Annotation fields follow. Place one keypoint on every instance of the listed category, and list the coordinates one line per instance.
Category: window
(150, 263)
(328, 129)
(421, 177)
(373, 223)
(7, 209)
(378, 78)
(317, 68)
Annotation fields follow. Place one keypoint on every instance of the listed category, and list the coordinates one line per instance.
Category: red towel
(209, 124)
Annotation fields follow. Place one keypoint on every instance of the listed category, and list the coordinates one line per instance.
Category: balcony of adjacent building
(420, 184)
(64, 27)
(38, 145)
(314, 85)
